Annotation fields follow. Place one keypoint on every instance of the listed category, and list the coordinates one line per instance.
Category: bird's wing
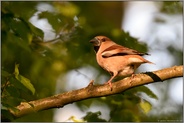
(118, 50)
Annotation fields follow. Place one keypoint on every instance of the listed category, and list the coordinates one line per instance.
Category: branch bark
(93, 91)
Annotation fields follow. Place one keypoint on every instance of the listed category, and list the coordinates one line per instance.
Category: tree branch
(93, 91)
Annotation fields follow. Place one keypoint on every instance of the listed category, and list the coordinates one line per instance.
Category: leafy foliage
(146, 106)
(91, 117)
(42, 61)
(26, 82)
(173, 7)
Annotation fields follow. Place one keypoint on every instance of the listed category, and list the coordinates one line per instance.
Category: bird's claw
(133, 75)
(110, 84)
(91, 83)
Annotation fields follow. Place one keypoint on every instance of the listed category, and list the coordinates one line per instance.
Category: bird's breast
(122, 64)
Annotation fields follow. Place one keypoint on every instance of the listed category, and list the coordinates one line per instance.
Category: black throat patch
(96, 48)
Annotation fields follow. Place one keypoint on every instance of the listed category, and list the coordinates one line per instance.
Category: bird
(116, 59)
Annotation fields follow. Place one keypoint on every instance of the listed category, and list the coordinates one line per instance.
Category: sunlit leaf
(145, 106)
(25, 81)
(18, 86)
(16, 71)
(67, 9)
(74, 119)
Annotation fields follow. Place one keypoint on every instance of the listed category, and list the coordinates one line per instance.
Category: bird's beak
(95, 42)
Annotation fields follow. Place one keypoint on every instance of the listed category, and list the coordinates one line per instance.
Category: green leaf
(74, 119)
(148, 92)
(143, 89)
(18, 85)
(4, 78)
(37, 32)
(84, 103)
(25, 81)
(145, 106)
(68, 10)
(16, 72)
(6, 116)
(5, 73)
(11, 90)
(94, 117)
(10, 102)
(124, 115)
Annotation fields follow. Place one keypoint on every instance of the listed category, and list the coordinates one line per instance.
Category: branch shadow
(153, 76)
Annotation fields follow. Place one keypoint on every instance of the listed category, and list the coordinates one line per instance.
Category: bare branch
(93, 91)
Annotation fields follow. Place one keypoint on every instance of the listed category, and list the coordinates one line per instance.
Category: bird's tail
(146, 61)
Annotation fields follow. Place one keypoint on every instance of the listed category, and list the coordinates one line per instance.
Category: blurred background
(50, 42)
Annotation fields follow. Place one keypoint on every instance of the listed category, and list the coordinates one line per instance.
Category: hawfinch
(116, 59)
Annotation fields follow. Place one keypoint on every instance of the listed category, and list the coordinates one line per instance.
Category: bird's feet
(133, 75)
(110, 84)
(91, 83)
(131, 78)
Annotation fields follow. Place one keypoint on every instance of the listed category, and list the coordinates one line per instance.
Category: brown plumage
(116, 59)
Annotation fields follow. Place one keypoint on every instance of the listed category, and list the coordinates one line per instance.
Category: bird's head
(98, 40)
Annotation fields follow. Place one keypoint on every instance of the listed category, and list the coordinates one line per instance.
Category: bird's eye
(103, 39)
